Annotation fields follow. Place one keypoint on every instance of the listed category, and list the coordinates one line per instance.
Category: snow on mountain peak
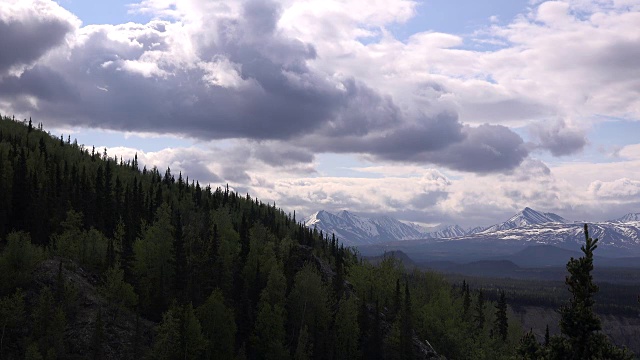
(628, 218)
(353, 229)
(527, 225)
(527, 217)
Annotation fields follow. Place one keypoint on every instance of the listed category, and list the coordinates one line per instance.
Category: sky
(435, 112)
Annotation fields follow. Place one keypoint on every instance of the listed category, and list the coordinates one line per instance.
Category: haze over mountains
(527, 227)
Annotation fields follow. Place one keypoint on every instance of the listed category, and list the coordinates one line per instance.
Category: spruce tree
(501, 324)
(478, 316)
(546, 336)
(466, 295)
(406, 330)
(580, 326)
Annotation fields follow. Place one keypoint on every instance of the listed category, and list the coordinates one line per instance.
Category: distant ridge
(527, 217)
(525, 228)
(630, 217)
(353, 230)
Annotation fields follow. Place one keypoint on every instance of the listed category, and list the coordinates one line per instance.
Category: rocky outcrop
(123, 334)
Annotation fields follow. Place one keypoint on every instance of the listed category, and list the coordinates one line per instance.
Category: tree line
(215, 274)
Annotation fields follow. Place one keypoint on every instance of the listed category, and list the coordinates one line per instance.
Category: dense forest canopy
(102, 259)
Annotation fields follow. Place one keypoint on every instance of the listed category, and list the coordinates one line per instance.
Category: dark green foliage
(308, 305)
(406, 329)
(49, 322)
(347, 329)
(466, 305)
(179, 335)
(117, 291)
(580, 326)
(218, 327)
(478, 313)
(578, 320)
(155, 262)
(501, 323)
(529, 348)
(17, 261)
(546, 336)
(11, 316)
(263, 285)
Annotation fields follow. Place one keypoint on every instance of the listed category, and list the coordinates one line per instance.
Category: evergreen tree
(501, 324)
(397, 300)
(466, 298)
(179, 335)
(406, 330)
(579, 324)
(117, 291)
(546, 336)
(346, 329)
(529, 348)
(180, 259)
(18, 260)
(218, 326)
(154, 262)
(304, 350)
(269, 334)
(308, 306)
(11, 315)
(478, 316)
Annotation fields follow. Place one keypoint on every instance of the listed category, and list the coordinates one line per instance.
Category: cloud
(191, 162)
(487, 148)
(619, 189)
(263, 87)
(232, 73)
(29, 30)
(557, 138)
(531, 170)
(389, 195)
(278, 154)
(411, 192)
(573, 56)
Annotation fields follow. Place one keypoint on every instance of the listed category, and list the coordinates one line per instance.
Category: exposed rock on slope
(122, 339)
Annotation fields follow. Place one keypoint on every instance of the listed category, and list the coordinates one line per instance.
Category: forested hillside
(101, 259)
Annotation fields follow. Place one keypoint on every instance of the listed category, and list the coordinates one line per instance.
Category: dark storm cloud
(486, 148)
(281, 98)
(428, 199)
(26, 38)
(135, 82)
(197, 170)
(282, 155)
(236, 174)
(558, 139)
(41, 82)
(443, 141)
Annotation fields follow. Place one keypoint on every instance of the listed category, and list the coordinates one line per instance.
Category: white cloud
(620, 189)
(282, 83)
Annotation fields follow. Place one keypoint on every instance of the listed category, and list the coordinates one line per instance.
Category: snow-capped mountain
(449, 231)
(611, 235)
(352, 229)
(474, 230)
(630, 217)
(391, 228)
(526, 217)
(527, 227)
(619, 238)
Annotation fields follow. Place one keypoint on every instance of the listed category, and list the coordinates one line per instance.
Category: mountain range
(354, 230)
(527, 227)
